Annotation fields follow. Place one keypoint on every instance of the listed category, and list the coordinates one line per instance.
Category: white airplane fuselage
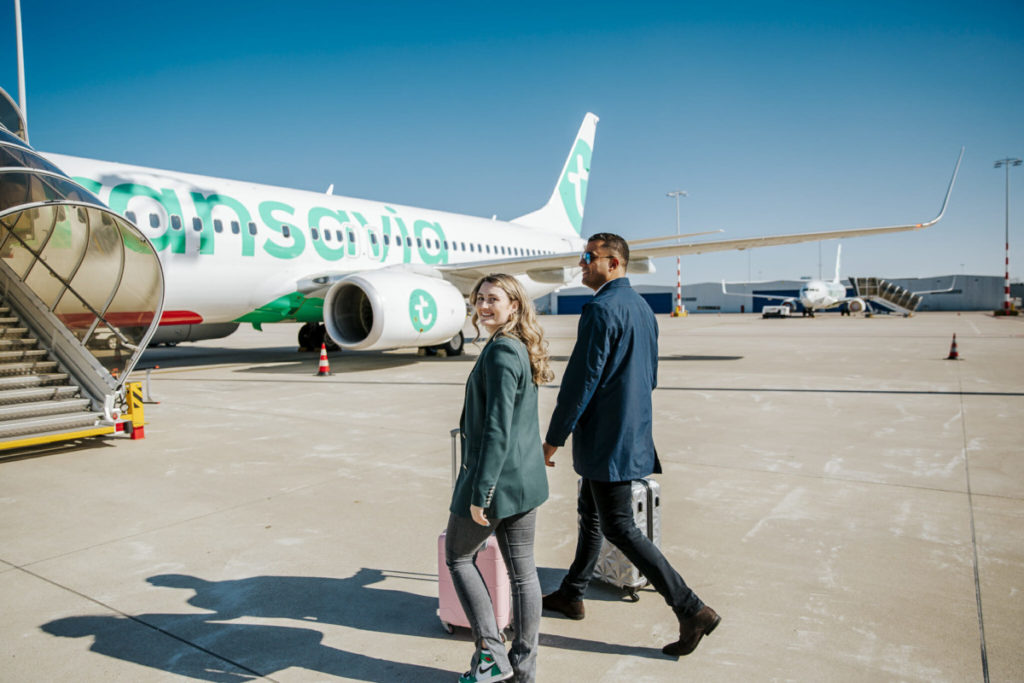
(235, 250)
(821, 294)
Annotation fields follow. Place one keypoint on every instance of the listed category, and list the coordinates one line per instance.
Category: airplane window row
(339, 235)
(197, 224)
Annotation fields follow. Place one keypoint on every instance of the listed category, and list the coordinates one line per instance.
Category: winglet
(949, 191)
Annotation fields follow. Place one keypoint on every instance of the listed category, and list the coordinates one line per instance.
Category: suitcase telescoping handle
(456, 434)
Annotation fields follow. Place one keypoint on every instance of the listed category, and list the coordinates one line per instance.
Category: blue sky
(774, 117)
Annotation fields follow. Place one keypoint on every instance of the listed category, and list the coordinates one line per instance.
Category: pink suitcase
(491, 566)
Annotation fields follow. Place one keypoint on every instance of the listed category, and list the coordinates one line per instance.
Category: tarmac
(850, 502)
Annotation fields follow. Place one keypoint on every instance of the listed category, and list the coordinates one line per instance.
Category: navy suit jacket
(605, 398)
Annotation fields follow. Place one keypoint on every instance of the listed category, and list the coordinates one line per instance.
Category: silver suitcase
(612, 566)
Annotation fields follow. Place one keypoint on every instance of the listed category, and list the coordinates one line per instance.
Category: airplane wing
(952, 284)
(549, 268)
(774, 297)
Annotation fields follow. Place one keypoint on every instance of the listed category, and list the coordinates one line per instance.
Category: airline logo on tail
(573, 188)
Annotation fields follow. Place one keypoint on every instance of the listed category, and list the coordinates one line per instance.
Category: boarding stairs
(81, 293)
(888, 294)
(38, 398)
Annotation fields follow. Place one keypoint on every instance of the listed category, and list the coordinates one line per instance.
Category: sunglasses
(589, 256)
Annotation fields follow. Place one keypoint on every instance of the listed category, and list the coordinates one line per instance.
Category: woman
(502, 480)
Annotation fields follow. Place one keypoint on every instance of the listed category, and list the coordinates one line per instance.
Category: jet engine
(388, 309)
(856, 305)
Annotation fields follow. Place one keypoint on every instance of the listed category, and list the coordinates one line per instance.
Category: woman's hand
(478, 515)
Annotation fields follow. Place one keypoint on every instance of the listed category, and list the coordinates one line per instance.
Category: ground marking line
(974, 537)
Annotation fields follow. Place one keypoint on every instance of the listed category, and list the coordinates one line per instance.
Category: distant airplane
(818, 295)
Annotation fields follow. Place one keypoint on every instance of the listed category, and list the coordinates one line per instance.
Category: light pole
(679, 309)
(1007, 162)
(22, 104)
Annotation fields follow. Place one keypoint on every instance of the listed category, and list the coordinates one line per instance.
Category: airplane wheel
(310, 335)
(326, 339)
(453, 347)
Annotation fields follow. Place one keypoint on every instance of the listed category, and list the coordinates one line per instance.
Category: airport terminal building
(961, 293)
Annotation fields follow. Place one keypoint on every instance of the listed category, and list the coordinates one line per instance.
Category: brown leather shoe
(691, 630)
(557, 602)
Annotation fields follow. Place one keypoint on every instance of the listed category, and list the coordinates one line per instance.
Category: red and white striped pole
(679, 310)
(1007, 162)
(679, 285)
(1006, 282)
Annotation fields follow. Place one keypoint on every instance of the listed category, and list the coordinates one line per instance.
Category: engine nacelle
(856, 305)
(389, 309)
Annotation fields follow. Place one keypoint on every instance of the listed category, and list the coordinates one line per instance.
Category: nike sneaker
(485, 671)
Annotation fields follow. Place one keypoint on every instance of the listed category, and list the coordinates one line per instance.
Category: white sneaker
(485, 671)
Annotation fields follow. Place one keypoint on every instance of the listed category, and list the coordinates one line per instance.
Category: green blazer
(502, 460)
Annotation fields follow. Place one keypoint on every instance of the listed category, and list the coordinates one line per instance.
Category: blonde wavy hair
(522, 324)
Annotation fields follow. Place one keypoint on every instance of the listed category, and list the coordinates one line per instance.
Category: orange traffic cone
(324, 369)
(953, 354)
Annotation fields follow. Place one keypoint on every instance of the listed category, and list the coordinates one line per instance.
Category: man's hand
(477, 513)
(549, 454)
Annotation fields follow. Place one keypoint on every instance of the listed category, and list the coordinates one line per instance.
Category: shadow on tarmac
(204, 647)
(259, 651)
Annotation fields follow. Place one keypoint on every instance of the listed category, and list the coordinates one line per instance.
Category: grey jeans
(515, 534)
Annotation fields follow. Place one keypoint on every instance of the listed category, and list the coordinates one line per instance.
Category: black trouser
(606, 508)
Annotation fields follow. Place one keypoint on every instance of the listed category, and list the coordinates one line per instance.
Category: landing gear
(312, 335)
(452, 347)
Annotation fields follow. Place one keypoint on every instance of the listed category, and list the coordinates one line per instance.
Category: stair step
(18, 343)
(13, 331)
(16, 355)
(24, 381)
(41, 366)
(46, 393)
(44, 425)
(22, 411)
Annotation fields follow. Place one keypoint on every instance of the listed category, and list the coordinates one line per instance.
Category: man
(605, 402)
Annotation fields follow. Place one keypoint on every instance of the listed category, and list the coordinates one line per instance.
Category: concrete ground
(851, 503)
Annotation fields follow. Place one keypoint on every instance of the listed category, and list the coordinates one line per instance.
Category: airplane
(818, 295)
(365, 275)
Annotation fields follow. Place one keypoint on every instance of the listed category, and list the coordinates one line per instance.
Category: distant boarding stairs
(81, 293)
(890, 295)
